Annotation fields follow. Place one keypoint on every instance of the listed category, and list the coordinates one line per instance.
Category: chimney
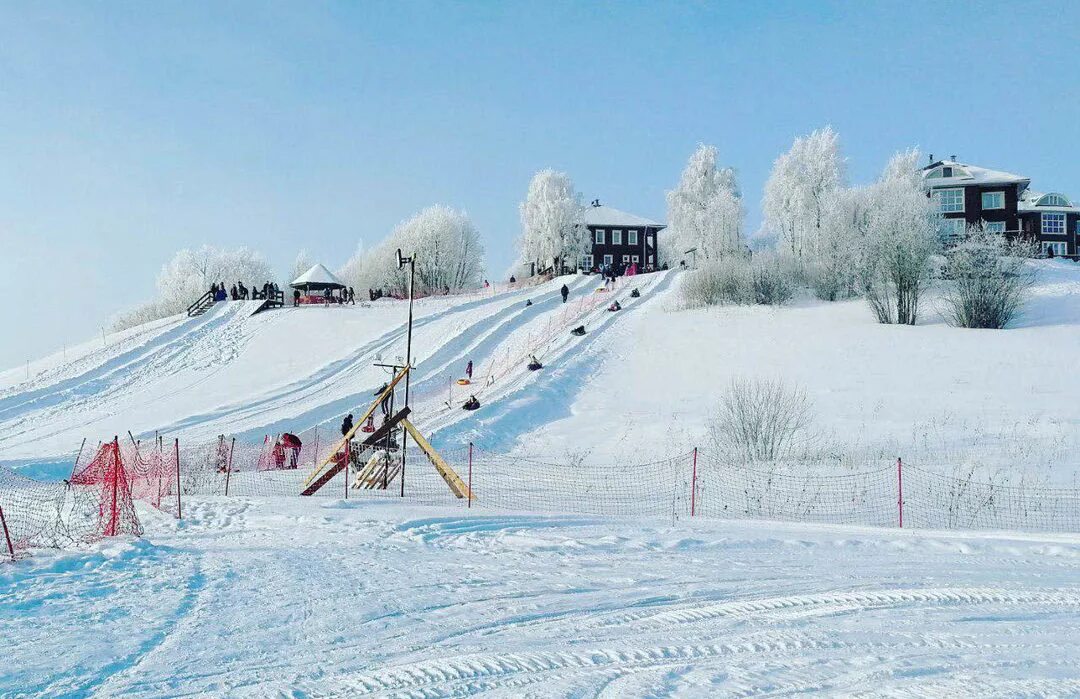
(952, 158)
(931, 158)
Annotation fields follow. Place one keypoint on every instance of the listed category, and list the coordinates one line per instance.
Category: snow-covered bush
(718, 282)
(989, 279)
(553, 229)
(189, 275)
(705, 210)
(902, 238)
(832, 271)
(772, 280)
(761, 420)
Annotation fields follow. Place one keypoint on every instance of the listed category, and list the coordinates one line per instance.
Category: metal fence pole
(693, 486)
(900, 489)
(7, 535)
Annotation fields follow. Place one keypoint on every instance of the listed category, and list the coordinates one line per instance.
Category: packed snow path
(296, 597)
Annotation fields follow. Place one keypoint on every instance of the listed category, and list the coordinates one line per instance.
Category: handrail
(199, 304)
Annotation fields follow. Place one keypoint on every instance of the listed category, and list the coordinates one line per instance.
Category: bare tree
(989, 279)
(760, 420)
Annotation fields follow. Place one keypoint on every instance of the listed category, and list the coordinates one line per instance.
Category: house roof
(965, 174)
(1029, 201)
(609, 216)
(318, 277)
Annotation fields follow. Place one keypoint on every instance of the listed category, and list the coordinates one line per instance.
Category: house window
(616, 236)
(949, 201)
(993, 200)
(608, 259)
(994, 226)
(599, 236)
(650, 259)
(946, 172)
(626, 259)
(635, 259)
(1053, 200)
(586, 262)
(631, 237)
(1053, 224)
(1053, 249)
(953, 228)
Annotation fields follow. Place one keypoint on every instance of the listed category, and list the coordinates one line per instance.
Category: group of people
(239, 292)
(347, 295)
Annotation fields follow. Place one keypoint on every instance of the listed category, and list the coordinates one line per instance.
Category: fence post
(176, 451)
(7, 536)
(470, 476)
(900, 489)
(111, 529)
(693, 486)
(228, 466)
(347, 457)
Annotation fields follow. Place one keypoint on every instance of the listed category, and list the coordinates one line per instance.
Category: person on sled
(615, 306)
(534, 363)
(471, 404)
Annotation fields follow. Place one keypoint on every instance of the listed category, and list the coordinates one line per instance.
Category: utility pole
(411, 261)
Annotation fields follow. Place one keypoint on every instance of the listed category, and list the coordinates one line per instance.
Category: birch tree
(552, 221)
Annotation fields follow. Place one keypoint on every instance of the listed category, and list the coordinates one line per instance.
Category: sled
(463, 382)
(369, 426)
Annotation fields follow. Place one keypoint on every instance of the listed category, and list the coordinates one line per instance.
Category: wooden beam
(453, 480)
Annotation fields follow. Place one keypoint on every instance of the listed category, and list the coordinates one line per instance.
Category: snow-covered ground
(300, 597)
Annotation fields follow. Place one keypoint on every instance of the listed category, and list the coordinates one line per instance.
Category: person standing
(352, 296)
(565, 291)
(295, 298)
(468, 370)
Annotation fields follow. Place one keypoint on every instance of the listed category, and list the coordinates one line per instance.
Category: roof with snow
(318, 277)
(1052, 201)
(963, 174)
(609, 216)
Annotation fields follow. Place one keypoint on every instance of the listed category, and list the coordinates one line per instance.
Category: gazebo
(317, 279)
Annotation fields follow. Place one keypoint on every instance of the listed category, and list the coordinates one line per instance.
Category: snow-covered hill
(640, 384)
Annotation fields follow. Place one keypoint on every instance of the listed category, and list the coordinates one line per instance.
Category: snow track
(252, 597)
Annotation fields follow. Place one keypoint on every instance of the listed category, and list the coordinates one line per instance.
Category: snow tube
(579, 331)
(463, 382)
(635, 294)
(535, 366)
(601, 290)
(471, 405)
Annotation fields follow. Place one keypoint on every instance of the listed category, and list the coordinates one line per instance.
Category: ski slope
(301, 597)
(233, 372)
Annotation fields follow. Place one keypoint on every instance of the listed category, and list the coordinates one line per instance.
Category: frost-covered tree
(301, 264)
(799, 188)
(902, 237)
(449, 254)
(705, 210)
(352, 273)
(989, 279)
(552, 221)
(833, 270)
(189, 275)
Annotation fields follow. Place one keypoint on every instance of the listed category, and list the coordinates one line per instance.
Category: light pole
(411, 261)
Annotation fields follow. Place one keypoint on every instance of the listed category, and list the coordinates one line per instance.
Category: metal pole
(470, 475)
(111, 530)
(408, 364)
(347, 457)
(77, 457)
(228, 465)
(693, 487)
(900, 489)
(176, 451)
(7, 536)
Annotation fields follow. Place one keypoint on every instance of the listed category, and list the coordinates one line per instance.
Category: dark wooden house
(619, 238)
(969, 195)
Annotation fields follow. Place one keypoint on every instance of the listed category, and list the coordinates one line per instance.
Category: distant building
(969, 195)
(620, 238)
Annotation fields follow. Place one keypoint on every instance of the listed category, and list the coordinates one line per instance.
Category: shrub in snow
(988, 279)
(772, 280)
(553, 229)
(189, 275)
(724, 281)
(760, 420)
(705, 210)
(902, 239)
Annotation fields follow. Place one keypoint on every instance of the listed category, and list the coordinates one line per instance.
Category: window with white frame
(631, 237)
(1053, 249)
(993, 200)
(586, 262)
(1053, 224)
(994, 226)
(616, 236)
(635, 259)
(949, 201)
(1053, 200)
(608, 259)
(599, 236)
(952, 228)
(650, 259)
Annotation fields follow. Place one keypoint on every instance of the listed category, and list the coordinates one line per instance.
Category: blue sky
(129, 130)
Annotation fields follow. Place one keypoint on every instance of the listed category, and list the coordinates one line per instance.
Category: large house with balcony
(620, 239)
(969, 195)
